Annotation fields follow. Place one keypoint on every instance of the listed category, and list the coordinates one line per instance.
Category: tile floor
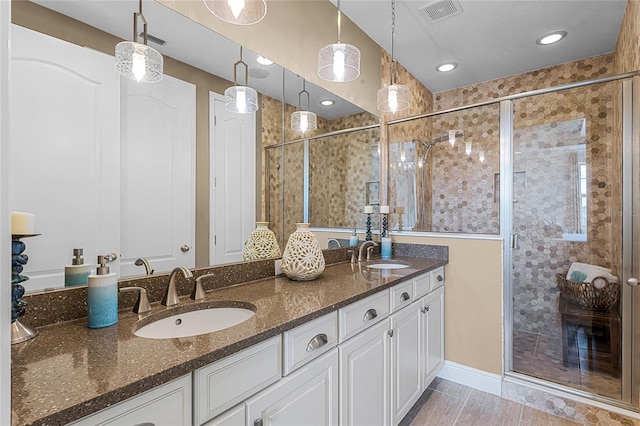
(446, 403)
(540, 356)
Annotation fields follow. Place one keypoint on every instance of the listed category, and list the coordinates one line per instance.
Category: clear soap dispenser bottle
(353, 239)
(102, 296)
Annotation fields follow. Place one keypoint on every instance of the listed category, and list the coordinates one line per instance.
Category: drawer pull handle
(317, 342)
(404, 297)
(439, 278)
(369, 315)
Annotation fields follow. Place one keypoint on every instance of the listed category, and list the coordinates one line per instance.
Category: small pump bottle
(78, 272)
(353, 239)
(102, 296)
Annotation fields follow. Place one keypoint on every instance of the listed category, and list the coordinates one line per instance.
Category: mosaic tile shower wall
(553, 134)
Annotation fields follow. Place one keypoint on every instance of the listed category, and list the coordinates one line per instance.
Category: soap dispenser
(78, 272)
(353, 239)
(102, 296)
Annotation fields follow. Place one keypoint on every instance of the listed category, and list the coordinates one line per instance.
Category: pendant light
(138, 61)
(238, 12)
(241, 99)
(339, 62)
(304, 121)
(394, 97)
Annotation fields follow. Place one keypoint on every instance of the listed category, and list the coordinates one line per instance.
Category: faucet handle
(142, 304)
(354, 256)
(369, 252)
(198, 292)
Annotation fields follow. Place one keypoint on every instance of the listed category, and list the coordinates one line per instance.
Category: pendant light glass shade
(304, 121)
(394, 98)
(138, 61)
(241, 99)
(238, 12)
(339, 62)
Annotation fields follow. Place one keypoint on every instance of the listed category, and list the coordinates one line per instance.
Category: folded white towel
(591, 272)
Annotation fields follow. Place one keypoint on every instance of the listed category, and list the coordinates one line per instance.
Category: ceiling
(488, 39)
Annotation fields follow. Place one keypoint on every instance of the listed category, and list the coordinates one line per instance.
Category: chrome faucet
(334, 240)
(171, 295)
(143, 261)
(362, 247)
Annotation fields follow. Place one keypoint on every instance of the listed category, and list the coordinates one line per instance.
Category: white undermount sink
(193, 323)
(387, 266)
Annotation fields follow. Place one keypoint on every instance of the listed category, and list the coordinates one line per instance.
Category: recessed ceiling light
(551, 38)
(446, 67)
(264, 61)
(327, 102)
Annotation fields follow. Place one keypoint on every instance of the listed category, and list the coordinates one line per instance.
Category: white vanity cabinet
(165, 405)
(308, 396)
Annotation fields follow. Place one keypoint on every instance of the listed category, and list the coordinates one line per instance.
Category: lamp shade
(139, 62)
(238, 12)
(394, 98)
(339, 62)
(241, 99)
(304, 121)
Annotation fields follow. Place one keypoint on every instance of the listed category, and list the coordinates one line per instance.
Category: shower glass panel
(444, 171)
(566, 188)
(341, 168)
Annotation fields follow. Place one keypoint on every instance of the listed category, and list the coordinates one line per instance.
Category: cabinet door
(364, 377)
(432, 335)
(406, 360)
(165, 405)
(309, 396)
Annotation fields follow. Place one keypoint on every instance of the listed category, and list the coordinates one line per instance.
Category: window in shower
(442, 172)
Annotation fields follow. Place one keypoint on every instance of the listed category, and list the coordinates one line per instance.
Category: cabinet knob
(370, 314)
(633, 282)
(404, 297)
(257, 422)
(185, 248)
(439, 278)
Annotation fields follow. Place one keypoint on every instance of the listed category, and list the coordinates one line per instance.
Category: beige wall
(291, 34)
(627, 55)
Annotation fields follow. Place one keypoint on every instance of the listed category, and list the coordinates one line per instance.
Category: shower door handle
(633, 282)
(514, 241)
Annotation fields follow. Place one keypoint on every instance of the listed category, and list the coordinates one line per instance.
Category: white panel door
(232, 181)
(65, 152)
(365, 378)
(157, 190)
(406, 351)
(432, 335)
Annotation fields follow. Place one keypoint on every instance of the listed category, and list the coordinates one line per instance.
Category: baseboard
(472, 377)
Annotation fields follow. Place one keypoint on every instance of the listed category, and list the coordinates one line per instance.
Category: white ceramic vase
(262, 243)
(302, 259)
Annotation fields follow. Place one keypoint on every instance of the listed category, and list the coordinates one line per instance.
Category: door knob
(633, 282)
(184, 248)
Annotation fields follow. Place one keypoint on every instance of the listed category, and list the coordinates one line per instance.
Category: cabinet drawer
(308, 341)
(356, 317)
(422, 285)
(165, 405)
(437, 278)
(401, 295)
(225, 383)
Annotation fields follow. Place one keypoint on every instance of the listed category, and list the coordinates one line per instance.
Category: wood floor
(446, 403)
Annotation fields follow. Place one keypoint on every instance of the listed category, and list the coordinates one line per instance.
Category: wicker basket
(587, 296)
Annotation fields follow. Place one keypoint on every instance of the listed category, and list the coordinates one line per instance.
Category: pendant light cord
(393, 41)
(339, 21)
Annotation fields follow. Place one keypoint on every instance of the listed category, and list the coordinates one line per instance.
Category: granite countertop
(70, 371)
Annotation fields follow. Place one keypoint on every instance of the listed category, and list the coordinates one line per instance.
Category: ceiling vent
(439, 10)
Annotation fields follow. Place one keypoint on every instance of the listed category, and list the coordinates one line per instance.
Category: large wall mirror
(109, 165)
